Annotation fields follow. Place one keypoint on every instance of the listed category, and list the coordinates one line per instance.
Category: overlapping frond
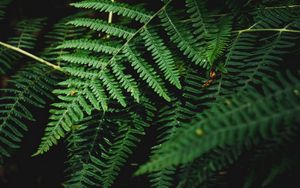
(75, 101)
(171, 117)
(137, 13)
(259, 55)
(232, 122)
(26, 38)
(85, 145)
(29, 88)
(129, 131)
(3, 5)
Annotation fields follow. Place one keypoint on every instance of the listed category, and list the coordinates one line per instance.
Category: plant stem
(56, 67)
(268, 30)
(110, 15)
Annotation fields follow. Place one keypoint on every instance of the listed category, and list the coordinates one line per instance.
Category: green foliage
(84, 166)
(3, 5)
(218, 85)
(232, 121)
(28, 88)
(26, 38)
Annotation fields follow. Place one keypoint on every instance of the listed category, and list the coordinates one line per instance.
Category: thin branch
(56, 67)
(289, 6)
(267, 30)
(110, 15)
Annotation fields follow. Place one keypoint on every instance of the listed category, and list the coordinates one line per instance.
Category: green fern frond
(185, 42)
(26, 39)
(127, 80)
(146, 72)
(77, 99)
(30, 87)
(83, 59)
(3, 5)
(207, 167)
(99, 25)
(208, 32)
(200, 18)
(113, 87)
(162, 55)
(259, 61)
(232, 122)
(170, 118)
(60, 33)
(136, 13)
(65, 113)
(91, 45)
(219, 39)
(84, 164)
(121, 148)
(162, 178)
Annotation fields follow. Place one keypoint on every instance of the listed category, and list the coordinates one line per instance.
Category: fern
(26, 39)
(205, 169)
(162, 56)
(30, 87)
(121, 148)
(213, 83)
(184, 41)
(84, 166)
(136, 13)
(265, 108)
(170, 118)
(259, 61)
(84, 64)
(3, 5)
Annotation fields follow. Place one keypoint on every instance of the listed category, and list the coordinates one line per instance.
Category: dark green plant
(220, 83)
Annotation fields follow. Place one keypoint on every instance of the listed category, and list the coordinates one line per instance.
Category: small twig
(56, 67)
(110, 18)
(267, 30)
(110, 15)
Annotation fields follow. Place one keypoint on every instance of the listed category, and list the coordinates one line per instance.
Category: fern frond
(162, 55)
(3, 5)
(258, 61)
(146, 72)
(181, 37)
(84, 164)
(162, 178)
(202, 170)
(171, 117)
(83, 59)
(232, 122)
(77, 99)
(60, 33)
(219, 40)
(121, 148)
(136, 13)
(91, 45)
(30, 87)
(207, 31)
(99, 25)
(25, 39)
(127, 80)
(113, 87)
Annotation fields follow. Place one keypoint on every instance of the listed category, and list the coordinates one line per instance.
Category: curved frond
(137, 13)
(233, 122)
(29, 88)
